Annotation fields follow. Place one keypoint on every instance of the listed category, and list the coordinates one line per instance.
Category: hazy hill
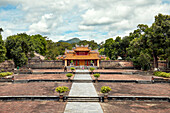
(73, 40)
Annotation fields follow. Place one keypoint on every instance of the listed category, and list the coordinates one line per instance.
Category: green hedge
(105, 89)
(96, 75)
(92, 68)
(3, 74)
(61, 89)
(72, 68)
(69, 74)
(162, 74)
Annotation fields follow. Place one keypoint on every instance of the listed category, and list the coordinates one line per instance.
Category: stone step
(82, 81)
(144, 82)
(83, 99)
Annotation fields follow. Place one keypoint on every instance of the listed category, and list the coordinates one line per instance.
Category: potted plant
(72, 69)
(91, 62)
(71, 62)
(69, 75)
(61, 90)
(92, 69)
(105, 90)
(97, 75)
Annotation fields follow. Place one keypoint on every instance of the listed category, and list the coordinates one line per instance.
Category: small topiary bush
(162, 74)
(61, 89)
(69, 74)
(96, 75)
(72, 68)
(92, 69)
(105, 89)
(3, 74)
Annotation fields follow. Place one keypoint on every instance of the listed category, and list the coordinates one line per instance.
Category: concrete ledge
(85, 99)
(88, 81)
(125, 73)
(40, 80)
(140, 98)
(25, 97)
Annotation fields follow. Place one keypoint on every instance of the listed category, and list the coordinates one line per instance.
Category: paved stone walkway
(83, 107)
(83, 90)
(82, 77)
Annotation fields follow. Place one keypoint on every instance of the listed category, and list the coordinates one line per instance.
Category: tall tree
(108, 47)
(40, 44)
(158, 36)
(2, 50)
(21, 46)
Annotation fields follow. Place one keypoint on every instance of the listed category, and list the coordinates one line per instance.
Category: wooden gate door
(82, 62)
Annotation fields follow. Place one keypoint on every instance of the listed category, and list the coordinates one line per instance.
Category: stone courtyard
(84, 89)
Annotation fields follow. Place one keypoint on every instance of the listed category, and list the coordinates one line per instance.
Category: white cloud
(88, 18)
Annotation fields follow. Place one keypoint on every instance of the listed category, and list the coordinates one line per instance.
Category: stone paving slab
(32, 107)
(135, 107)
(85, 70)
(83, 90)
(122, 77)
(33, 88)
(40, 76)
(82, 77)
(133, 89)
(83, 107)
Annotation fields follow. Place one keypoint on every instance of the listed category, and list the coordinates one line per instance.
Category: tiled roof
(82, 57)
(82, 49)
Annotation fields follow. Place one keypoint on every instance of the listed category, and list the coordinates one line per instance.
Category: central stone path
(83, 90)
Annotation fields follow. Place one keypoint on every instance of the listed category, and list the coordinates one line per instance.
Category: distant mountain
(73, 40)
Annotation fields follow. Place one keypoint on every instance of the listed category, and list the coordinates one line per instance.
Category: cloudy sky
(86, 19)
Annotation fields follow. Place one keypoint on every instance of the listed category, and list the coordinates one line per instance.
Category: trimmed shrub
(61, 89)
(96, 75)
(105, 89)
(92, 68)
(72, 68)
(69, 74)
(2, 70)
(3, 74)
(162, 74)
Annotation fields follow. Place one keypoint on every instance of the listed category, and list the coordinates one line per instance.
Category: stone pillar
(65, 62)
(98, 63)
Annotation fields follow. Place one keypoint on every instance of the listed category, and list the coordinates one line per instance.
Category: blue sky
(85, 19)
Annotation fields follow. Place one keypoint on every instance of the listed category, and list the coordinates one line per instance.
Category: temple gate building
(81, 56)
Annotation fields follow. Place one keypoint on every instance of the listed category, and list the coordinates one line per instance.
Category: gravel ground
(32, 107)
(135, 107)
(34, 88)
(122, 77)
(40, 76)
(133, 89)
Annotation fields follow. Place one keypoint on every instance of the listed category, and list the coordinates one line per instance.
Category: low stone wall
(45, 64)
(7, 65)
(111, 64)
(162, 64)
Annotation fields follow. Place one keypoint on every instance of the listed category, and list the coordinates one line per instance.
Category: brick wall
(116, 64)
(7, 65)
(45, 64)
(162, 64)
